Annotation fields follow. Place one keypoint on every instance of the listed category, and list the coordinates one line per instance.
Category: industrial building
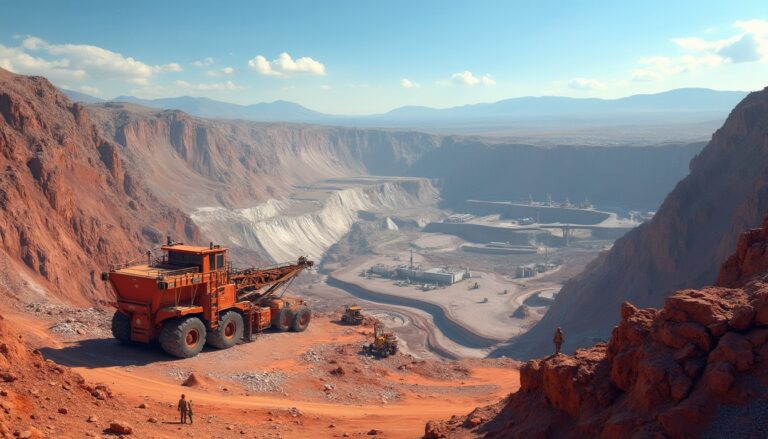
(440, 276)
(532, 270)
(415, 274)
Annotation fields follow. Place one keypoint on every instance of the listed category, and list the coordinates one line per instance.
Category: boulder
(120, 428)
(435, 430)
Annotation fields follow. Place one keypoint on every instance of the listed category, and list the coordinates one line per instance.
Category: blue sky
(356, 57)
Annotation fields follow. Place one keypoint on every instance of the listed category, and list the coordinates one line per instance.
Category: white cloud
(17, 60)
(76, 62)
(656, 68)
(325, 87)
(407, 83)
(220, 72)
(205, 62)
(748, 44)
(745, 49)
(754, 27)
(468, 78)
(284, 65)
(585, 84)
(209, 86)
(172, 67)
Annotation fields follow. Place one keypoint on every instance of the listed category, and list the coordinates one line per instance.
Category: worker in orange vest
(558, 339)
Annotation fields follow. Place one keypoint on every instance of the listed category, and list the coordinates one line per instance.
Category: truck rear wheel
(184, 337)
(230, 330)
(121, 327)
(283, 320)
(301, 319)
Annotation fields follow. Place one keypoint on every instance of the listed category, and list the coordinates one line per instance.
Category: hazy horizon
(358, 58)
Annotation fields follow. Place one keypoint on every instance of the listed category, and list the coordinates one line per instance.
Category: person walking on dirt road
(183, 408)
(558, 340)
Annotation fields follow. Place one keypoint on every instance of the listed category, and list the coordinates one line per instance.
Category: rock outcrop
(749, 259)
(698, 367)
(695, 229)
(69, 204)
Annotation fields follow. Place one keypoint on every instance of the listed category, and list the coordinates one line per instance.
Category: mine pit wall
(482, 234)
(542, 214)
(266, 229)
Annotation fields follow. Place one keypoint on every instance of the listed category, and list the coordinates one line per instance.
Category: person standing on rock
(558, 340)
(183, 408)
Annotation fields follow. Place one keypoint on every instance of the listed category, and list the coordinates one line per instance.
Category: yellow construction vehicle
(352, 315)
(384, 343)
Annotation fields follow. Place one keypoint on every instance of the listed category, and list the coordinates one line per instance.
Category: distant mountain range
(685, 105)
(282, 111)
(678, 100)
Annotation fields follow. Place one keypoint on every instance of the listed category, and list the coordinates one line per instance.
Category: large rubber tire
(184, 337)
(283, 319)
(229, 332)
(121, 327)
(301, 319)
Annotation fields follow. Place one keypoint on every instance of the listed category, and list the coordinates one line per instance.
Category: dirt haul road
(311, 384)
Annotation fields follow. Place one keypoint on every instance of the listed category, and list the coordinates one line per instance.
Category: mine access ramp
(191, 296)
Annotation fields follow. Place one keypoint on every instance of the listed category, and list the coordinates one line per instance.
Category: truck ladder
(248, 332)
(214, 302)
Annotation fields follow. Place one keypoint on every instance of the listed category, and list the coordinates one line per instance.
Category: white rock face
(388, 224)
(314, 218)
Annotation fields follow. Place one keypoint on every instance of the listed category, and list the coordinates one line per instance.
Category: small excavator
(384, 343)
(353, 315)
(191, 296)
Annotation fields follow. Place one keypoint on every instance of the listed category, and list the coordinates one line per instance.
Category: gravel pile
(267, 381)
(74, 322)
(178, 373)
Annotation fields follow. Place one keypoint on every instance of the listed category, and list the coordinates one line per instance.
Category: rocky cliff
(69, 205)
(698, 367)
(195, 162)
(632, 176)
(238, 164)
(695, 228)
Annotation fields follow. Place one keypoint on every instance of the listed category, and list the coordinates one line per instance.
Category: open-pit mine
(148, 253)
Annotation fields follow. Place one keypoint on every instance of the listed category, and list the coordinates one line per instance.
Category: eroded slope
(68, 204)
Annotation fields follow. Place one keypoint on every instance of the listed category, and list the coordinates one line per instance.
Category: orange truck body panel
(189, 280)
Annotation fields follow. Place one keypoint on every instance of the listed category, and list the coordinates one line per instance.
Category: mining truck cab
(190, 296)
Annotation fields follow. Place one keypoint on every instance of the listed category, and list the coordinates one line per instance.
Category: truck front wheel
(121, 327)
(184, 337)
(230, 330)
(283, 320)
(301, 319)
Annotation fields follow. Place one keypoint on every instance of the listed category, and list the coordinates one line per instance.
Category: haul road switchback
(192, 296)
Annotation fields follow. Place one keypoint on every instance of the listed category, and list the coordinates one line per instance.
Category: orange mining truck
(192, 296)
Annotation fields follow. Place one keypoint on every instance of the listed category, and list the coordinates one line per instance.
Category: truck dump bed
(154, 272)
